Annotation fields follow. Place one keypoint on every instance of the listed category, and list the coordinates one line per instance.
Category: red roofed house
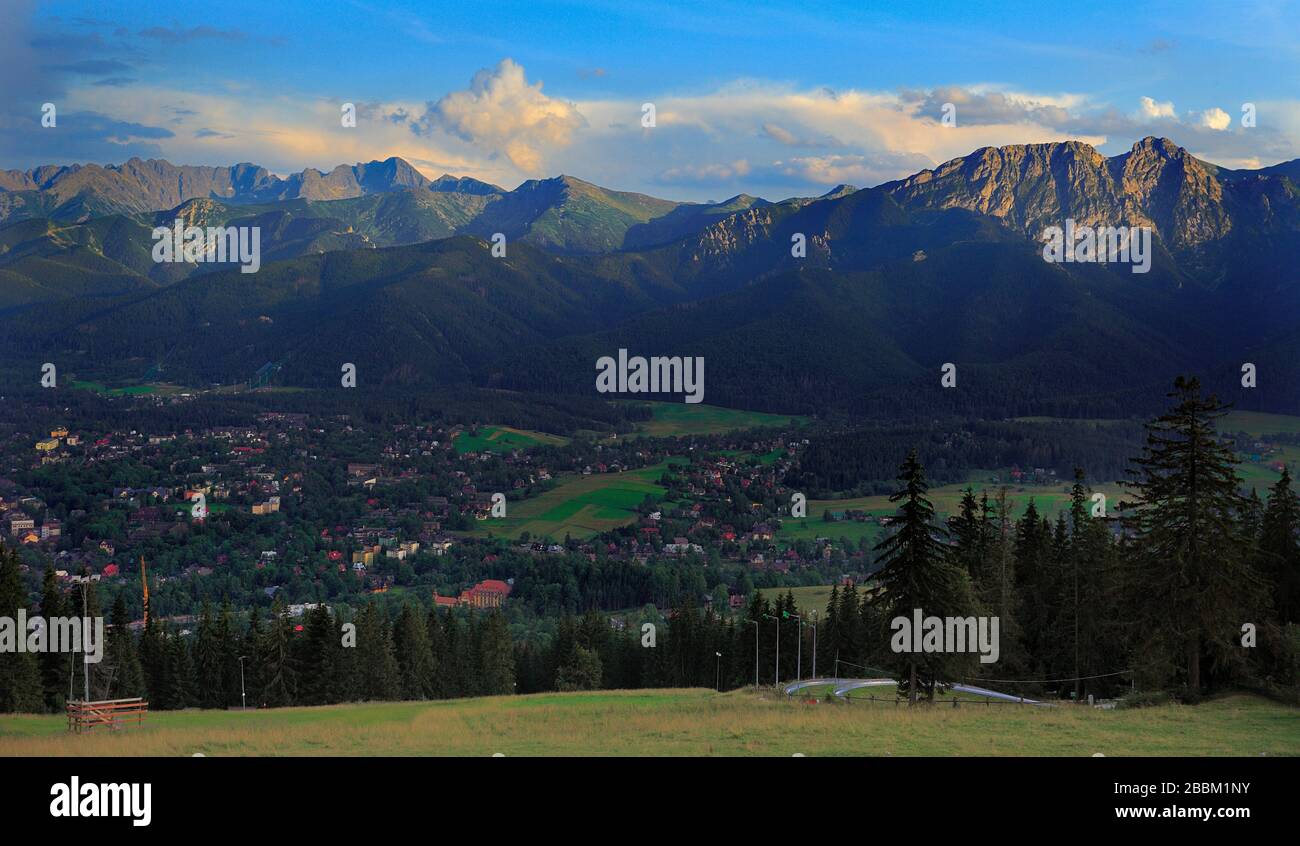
(489, 593)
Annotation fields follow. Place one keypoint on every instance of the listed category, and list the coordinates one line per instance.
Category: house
(271, 506)
(489, 593)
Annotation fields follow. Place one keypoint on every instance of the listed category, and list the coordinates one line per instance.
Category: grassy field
(104, 390)
(1259, 423)
(947, 502)
(679, 722)
(673, 419)
(811, 598)
(503, 439)
(580, 506)
(888, 694)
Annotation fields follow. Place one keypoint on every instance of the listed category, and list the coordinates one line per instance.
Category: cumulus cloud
(781, 135)
(502, 112)
(980, 108)
(1215, 118)
(1152, 110)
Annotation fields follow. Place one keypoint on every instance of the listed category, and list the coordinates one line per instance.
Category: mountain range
(378, 265)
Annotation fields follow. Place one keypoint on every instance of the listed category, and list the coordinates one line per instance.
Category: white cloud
(501, 111)
(1215, 118)
(1152, 110)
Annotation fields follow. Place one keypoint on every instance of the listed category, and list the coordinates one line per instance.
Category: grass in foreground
(680, 722)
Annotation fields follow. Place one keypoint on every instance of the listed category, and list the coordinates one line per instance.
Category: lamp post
(85, 658)
(243, 697)
(798, 663)
(755, 622)
(777, 681)
(719, 671)
(814, 628)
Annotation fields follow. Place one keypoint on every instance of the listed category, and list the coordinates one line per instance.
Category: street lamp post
(755, 622)
(814, 628)
(85, 658)
(777, 620)
(798, 662)
(243, 697)
(719, 671)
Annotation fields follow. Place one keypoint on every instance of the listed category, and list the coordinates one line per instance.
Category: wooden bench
(108, 713)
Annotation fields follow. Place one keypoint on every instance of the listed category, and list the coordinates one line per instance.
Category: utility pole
(719, 671)
(243, 697)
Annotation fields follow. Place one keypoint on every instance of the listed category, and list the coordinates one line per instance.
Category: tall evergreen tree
(208, 669)
(55, 669)
(21, 687)
(317, 658)
(416, 678)
(1279, 546)
(828, 633)
(122, 656)
(375, 657)
(276, 665)
(916, 573)
(1190, 582)
(180, 689)
(496, 656)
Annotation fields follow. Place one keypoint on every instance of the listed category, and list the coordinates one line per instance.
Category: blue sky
(769, 98)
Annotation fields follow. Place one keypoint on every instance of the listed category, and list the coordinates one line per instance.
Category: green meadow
(1049, 500)
(1259, 423)
(104, 390)
(675, 419)
(807, 599)
(580, 506)
(690, 722)
(503, 439)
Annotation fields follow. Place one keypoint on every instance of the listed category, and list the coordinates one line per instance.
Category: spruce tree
(208, 669)
(21, 687)
(317, 658)
(249, 686)
(55, 670)
(828, 634)
(275, 660)
(1189, 580)
(122, 656)
(375, 658)
(1279, 547)
(916, 572)
(416, 677)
